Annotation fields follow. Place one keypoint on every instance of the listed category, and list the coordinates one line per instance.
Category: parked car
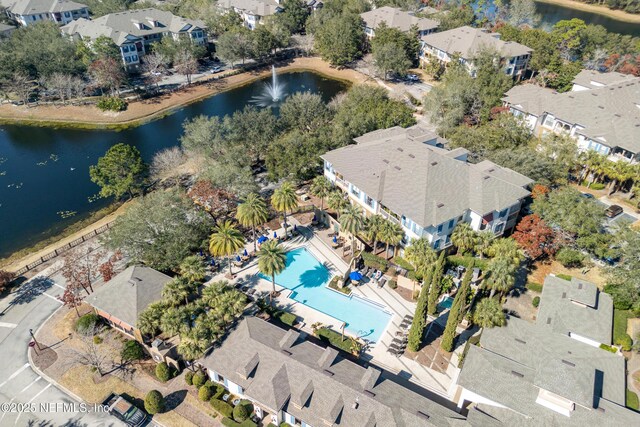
(588, 196)
(613, 211)
(125, 411)
(413, 77)
(216, 69)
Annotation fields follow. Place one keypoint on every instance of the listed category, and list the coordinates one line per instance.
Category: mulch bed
(404, 293)
(43, 358)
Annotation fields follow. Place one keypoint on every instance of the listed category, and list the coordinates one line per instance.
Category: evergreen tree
(420, 316)
(436, 285)
(455, 311)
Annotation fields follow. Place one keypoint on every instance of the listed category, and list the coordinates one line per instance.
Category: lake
(44, 172)
(552, 13)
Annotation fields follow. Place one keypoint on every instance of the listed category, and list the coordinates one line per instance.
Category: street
(26, 398)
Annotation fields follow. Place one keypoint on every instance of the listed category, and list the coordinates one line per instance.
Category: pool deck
(247, 275)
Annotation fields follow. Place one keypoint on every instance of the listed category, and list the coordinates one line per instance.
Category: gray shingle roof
(609, 114)
(593, 79)
(396, 18)
(421, 181)
(468, 41)
(253, 7)
(30, 7)
(514, 362)
(129, 293)
(291, 376)
(558, 311)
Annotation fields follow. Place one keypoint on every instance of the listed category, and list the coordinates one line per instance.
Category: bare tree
(186, 64)
(155, 65)
(303, 43)
(108, 73)
(21, 85)
(61, 85)
(89, 353)
(81, 267)
(71, 297)
(166, 162)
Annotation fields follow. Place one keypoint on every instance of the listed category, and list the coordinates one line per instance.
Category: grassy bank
(619, 15)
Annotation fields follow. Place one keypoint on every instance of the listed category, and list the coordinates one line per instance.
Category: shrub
(335, 339)
(403, 263)
(163, 372)
(371, 260)
(465, 261)
(333, 284)
(154, 402)
(536, 302)
(188, 378)
(535, 287)
(87, 322)
(223, 407)
(132, 350)
(111, 103)
(570, 258)
(205, 393)
(393, 284)
(608, 348)
(97, 339)
(594, 186)
(228, 422)
(564, 277)
(242, 411)
(632, 400)
(219, 391)
(285, 317)
(625, 342)
(199, 378)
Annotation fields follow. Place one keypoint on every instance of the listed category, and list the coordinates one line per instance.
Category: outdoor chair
(382, 282)
(365, 271)
(370, 273)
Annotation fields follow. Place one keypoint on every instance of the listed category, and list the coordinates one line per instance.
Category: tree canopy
(120, 171)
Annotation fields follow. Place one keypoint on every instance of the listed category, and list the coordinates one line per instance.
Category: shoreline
(618, 15)
(142, 112)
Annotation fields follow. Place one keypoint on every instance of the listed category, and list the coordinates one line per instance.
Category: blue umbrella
(335, 239)
(275, 235)
(262, 239)
(238, 258)
(314, 218)
(295, 227)
(355, 275)
(245, 252)
(213, 261)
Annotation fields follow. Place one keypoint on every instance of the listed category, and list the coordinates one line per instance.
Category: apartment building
(253, 12)
(28, 12)
(406, 176)
(394, 17)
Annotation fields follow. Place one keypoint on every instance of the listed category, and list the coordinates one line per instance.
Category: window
(440, 228)
(355, 191)
(369, 201)
(220, 378)
(436, 244)
(451, 223)
(67, 15)
(125, 48)
(503, 213)
(134, 58)
(499, 228)
(549, 120)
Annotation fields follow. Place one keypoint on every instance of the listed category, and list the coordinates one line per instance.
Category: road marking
(32, 399)
(52, 297)
(32, 383)
(15, 374)
(7, 325)
(21, 391)
(55, 284)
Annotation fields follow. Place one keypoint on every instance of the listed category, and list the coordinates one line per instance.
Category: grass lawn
(535, 287)
(632, 400)
(620, 318)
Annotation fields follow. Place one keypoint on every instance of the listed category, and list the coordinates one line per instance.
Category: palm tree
(421, 255)
(225, 241)
(192, 348)
(590, 161)
(336, 201)
(192, 269)
(391, 234)
(251, 213)
(175, 320)
(321, 187)
(618, 172)
(484, 240)
(271, 261)
(149, 320)
(373, 229)
(175, 291)
(463, 237)
(488, 313)
(352, 221)
(500, 275)
(506, 248)
(284, 199)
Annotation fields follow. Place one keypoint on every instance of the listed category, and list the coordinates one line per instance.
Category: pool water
(307, 278)
(446, 302)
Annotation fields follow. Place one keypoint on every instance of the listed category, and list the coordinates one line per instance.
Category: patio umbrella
(238, 258)
(314, 218)
(245, 252)
(335, 239)
(355, 275)
(213, 262)
(275, 235)
(262, 239)
(295, 227)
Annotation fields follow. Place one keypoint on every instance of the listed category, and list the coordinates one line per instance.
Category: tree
(488, 313)
(192, 269)
(161, 230)
(506, 248)
(391, 234)
(484, 240)
(105, 47)
(455, 313)
(120, 171)
(422, 256)
(21, 85)
(71, 298)
(436, 284)
(166, 163)
(535, 237)
(294, 15)
(373, 227)
(523, 13)
(339, 40)
(407, 44)
(388, 58)
(65, 86)
(235, 45)
(149, 320)
(192, 348)
(242, 410)
(154, 66)
(176, 291)
(454, 17)
(215, 201)
(252, 212)
(131, 351)
(416, 330)
(107, 72)
(262, 42)
(80, 268)
(623, 279)
(500, 275)
(352, 221)
(6, 277)
(185, 64)
(337, 201)
(464, 237)
(305, 112)
(154, 402)
(321, 187)
(284, 199)
(271, 261)
(225, 241)
(88, 352)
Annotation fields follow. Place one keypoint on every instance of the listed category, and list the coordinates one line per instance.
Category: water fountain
(272, 93)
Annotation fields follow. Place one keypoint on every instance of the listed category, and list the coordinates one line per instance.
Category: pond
(44, 172)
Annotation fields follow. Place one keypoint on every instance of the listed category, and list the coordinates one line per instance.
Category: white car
(216, 69)
(413, 77)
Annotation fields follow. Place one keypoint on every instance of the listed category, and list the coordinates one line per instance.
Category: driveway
(32, 399)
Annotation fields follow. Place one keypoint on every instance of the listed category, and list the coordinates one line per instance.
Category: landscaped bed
(335, 339)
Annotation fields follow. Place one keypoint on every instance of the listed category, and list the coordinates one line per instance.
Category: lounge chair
(370, 273)
(407, 316)
(378, 275)
(382, 282)
(365, 271)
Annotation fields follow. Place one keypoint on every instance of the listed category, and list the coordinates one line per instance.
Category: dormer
(139, 25)
(327, 358)
(153, 23)
(247, 369)
(369, 379)
(301, 398)
(288, 340)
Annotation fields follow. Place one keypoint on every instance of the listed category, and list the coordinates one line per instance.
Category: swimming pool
(307, 278)
(446, 302)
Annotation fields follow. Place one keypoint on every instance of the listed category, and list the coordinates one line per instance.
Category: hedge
(624, 341)
(285, 317)
(620, 318)
(594, 186)
(564, 277)
(608, 348)
(199, 378)
(205, 393)
(242, 411)
(371, 260)
(335, 339)
(219, 392)
(231, 423)
(223, 407)
(86, 322)
(465, 261)
(403, 263)
(188, 378)
(535, 287)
